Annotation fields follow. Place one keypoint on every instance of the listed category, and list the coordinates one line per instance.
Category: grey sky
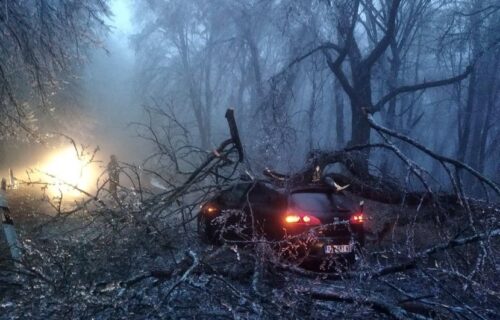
(121, 19)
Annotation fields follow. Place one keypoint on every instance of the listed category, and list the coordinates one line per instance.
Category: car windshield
(313, 201)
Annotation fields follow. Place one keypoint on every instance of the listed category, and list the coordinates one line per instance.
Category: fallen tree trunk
(384, 192)
(373, 187)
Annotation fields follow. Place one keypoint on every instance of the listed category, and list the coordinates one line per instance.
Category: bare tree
(358, 86)
(41, 41)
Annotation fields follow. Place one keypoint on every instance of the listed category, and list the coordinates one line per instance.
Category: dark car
(308, 222)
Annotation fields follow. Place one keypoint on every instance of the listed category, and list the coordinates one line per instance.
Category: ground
(120, 264)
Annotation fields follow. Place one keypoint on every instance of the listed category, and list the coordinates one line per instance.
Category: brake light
(357, 218)
(301, 218)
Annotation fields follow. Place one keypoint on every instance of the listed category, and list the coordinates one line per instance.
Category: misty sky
(121, 19)
(109, 86)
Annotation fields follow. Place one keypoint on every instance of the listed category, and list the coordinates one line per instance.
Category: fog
(196, 59)
(109, 91)
(99, 106)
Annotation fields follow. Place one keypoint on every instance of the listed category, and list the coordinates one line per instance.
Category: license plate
(340, 248)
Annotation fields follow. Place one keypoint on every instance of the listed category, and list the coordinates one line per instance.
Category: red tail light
(301, 218)
(357, 218)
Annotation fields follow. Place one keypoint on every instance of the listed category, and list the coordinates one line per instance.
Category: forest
(151, 149)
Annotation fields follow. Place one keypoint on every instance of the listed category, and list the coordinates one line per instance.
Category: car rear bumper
(320, 248)
(331, 247)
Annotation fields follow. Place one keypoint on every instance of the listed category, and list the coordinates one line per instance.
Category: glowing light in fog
(67, 173)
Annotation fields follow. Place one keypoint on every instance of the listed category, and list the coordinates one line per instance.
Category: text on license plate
(339, 248)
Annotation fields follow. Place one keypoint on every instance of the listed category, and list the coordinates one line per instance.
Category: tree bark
(360, 127)
(311, 113)
(339, 112)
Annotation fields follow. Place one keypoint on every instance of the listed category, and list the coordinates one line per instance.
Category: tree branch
(421, 86)
(337, 71)
(322, 47)
(386, 40)
(376, 304)
(437, 248)
(454, 162)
